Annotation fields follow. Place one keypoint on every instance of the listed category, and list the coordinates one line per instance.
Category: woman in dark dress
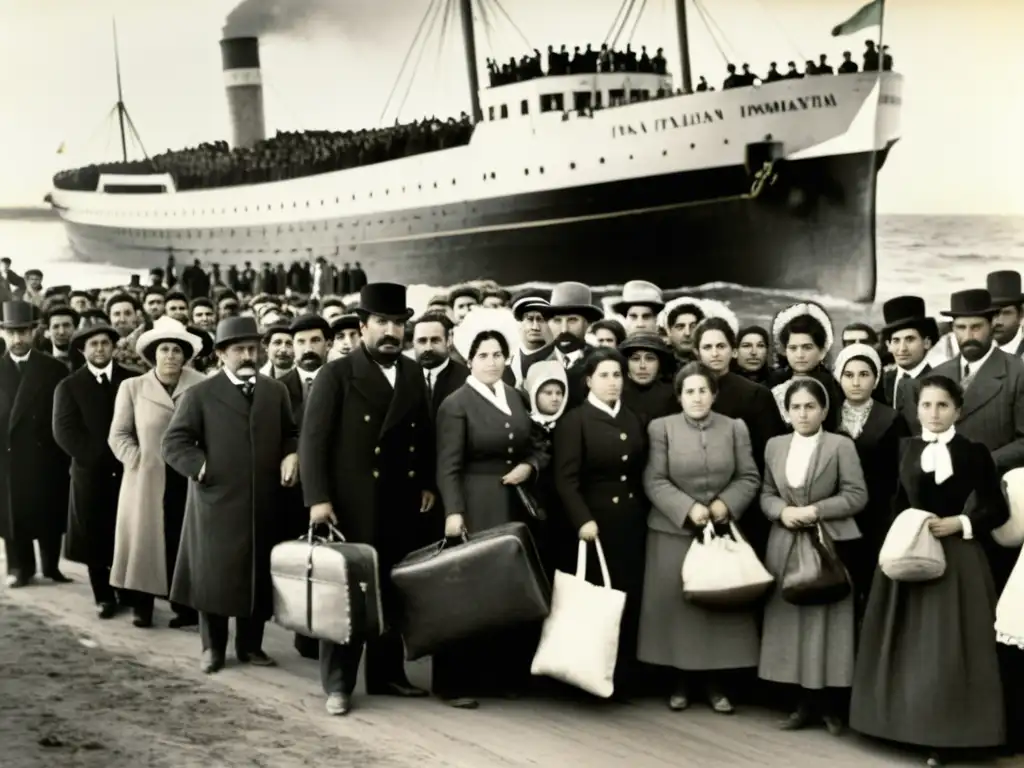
(646, 391)
(876, 431)
(927, 673)
(600, 451)
(485, 445)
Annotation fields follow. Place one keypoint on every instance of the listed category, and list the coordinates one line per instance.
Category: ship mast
(121, 109)
(469, 44)
(684, 46)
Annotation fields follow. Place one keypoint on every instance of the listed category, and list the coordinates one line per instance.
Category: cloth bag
(723, 571)
(910, 552)
(1010, 609)
(1011, 533)
(449, 592)
(327, 588)
(813, 573)
(579, 643)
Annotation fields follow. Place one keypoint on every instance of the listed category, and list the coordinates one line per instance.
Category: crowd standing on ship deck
(208, 416)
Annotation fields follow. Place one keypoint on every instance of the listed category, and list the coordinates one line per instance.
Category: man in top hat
(640, 304)
(569, 313)
(908, 334)
(367, 456)
(234, 437)
(1007, 298)
(33, 468)
(345, 335)
(83, 408)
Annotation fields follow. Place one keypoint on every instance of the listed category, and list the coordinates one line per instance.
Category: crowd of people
(244, 417)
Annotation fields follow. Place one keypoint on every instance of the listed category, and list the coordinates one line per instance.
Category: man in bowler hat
(1008, 301)
(33, 468)
(83, 407)
(367, 462)
(234, 437)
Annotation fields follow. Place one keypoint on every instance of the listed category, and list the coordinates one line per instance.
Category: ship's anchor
(766, 175)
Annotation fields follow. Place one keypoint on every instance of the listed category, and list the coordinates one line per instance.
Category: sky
(962, 62)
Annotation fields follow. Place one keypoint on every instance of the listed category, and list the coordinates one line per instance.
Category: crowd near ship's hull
(665, 190)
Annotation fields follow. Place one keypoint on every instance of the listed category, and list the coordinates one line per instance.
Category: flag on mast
(61, 149)
(868, 16)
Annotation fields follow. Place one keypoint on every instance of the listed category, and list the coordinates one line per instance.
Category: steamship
(771, 186)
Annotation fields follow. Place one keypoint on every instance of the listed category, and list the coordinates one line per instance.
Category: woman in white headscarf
(927, 673)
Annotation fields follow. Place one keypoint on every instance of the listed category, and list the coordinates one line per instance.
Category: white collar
(433, 373)
(1013, 345)
(235, 379)
(21, 359)
(977, 365)
(307, 375)
(495, 397)
(570, 357)
(935, 458)
(912, 372)
(807, 441)
(97, 372)
(611, 410)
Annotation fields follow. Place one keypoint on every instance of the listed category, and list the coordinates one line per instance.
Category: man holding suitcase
(366, 455)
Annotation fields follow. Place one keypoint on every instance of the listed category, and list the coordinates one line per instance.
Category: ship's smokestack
(243, 83)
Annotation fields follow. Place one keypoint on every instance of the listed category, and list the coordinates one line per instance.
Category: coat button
(631, 495)
(366, 417)
(412, 473)
(507, 425)
(508, 461)
(625, 457)
(376, 474)
(511, 436)
(615, 499)
(376, 451)
(412, 449)
(623, 436)
(412, 425)
(623, 478)
(510, 450)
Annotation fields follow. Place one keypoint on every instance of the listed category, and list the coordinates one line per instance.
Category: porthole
(725, 141)
(572, 166)
(664, 152)
(526, 171)
(602, 161)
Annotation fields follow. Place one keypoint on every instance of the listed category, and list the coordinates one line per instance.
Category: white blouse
(799, 459)
(495, 397)
(612, 411)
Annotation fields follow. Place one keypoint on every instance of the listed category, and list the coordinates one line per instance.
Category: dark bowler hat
(232, 330)
(311, 323)
(904, 312)
(976, 302)
(386, 300)
(90, 327)
(18, 315)
(1004, 287)
(349, 322)
(572, 298)
(647, 342)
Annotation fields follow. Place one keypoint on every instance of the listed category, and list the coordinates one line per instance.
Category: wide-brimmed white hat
(168, 329)
(480, 320)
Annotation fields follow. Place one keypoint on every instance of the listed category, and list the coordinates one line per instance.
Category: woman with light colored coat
(151, 504)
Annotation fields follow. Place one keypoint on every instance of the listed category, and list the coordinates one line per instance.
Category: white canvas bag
(723, 571)
(910, 552)
(1011, 533)
(579, 643)
(1010, 609)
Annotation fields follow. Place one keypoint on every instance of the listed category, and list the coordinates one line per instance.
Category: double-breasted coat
(142, 411)
(83, 410)
(231, 515)
(368, 449)
(34, 482)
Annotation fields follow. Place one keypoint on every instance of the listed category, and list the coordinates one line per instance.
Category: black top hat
(1004, 287)
(90, 328)
(312, 323)
(976, 302)
(904, 312)
(18, 314)
(384, 299)
(232, 330)
(349, 322)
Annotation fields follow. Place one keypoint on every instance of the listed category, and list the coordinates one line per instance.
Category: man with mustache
(367, 462)
(569, 313)
(234, 438)
(279, 346)
(431, 344)
(1008, 299)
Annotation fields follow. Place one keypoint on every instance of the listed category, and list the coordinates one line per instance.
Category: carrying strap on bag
(581, 562)
(333, 534)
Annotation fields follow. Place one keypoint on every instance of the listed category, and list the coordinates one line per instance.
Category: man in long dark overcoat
(367, 462)
(234, 437)
(33, 469)
(83, 407)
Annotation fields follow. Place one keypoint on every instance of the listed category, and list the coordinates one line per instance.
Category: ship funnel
(243, 83)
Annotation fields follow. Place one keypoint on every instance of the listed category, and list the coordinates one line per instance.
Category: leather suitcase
(328, 589)
(449, 592)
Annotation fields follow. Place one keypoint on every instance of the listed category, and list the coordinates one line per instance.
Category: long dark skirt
(927, 672)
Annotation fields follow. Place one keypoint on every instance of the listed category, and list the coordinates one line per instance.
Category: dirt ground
(64, 703)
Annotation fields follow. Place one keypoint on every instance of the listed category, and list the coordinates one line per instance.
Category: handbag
(813, 573)
(530, 504)
(723, 571)
(448, 592)
(910, 552)
(326, 588)
(1011, 533)
(579, 642)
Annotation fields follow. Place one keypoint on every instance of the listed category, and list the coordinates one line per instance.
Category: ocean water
(930, 256)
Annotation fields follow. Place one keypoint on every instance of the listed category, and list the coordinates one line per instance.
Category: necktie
(967, 378)
(104, 380)
(247, 387)
(307, 384)
(897, 394)
(430, 384)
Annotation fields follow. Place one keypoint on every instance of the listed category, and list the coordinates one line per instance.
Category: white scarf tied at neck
(936, 458)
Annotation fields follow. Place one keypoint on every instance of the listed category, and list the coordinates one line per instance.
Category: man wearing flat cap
(59, 324)
(367, 457)
(33, 468)
(234, 437)
(83, 409)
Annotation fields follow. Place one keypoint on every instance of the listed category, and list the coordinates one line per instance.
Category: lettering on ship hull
(690, 119)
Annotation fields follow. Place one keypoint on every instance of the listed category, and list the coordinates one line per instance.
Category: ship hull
(814, 230)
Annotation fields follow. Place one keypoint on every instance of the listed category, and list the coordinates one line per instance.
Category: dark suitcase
(328, 589)
(449, 592)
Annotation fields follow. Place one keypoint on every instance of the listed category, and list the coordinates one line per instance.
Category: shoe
(179, 621)
(678, 701)
(462, 702)
(796, 721)
(834, 725)
(106, 610)
(256, 658)
(405, 690)
(57, 577)
(211, 663)
(17, 582)
(338, 704)
(142, 621)
(721, 704)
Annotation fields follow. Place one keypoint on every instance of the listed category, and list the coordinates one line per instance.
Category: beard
(569, 343)
(386, 356)
(973, 350)
(431, 359)
(310, 361)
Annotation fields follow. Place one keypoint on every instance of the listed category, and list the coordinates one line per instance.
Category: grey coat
(810, 646)
(477, 444)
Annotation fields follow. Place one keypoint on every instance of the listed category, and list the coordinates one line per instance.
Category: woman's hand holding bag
(723, 571)
(911, 552)
(814, 574)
